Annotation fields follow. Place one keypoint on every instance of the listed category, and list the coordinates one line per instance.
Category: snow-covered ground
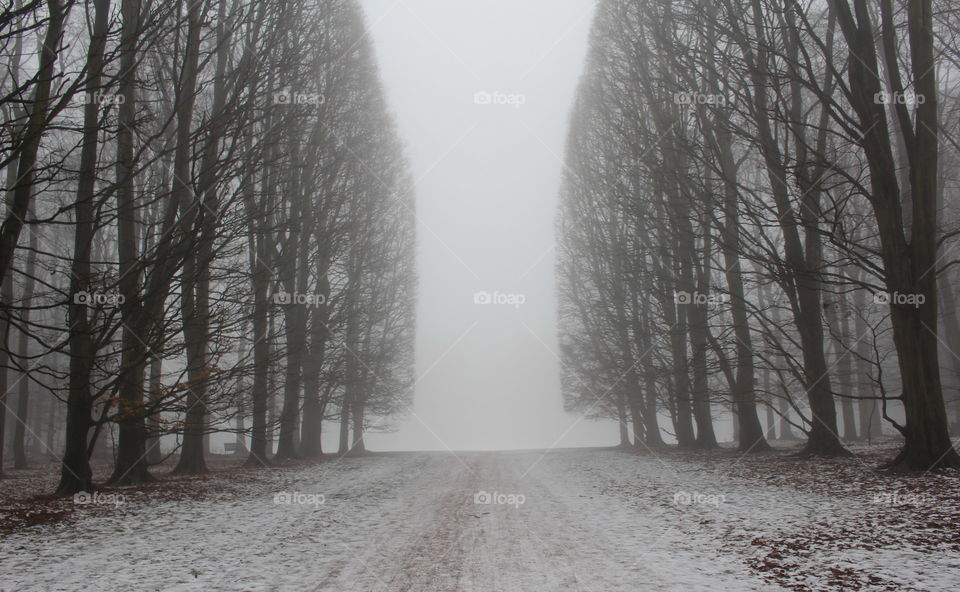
(592, 520)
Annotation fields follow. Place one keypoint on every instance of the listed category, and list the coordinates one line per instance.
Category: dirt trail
(424, 522)
(514, 522)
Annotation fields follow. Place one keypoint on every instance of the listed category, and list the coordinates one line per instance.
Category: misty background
(487, 177)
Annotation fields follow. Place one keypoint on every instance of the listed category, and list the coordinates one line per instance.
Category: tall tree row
(756, 222)
(209, 228)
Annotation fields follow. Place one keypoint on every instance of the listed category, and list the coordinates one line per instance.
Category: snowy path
(590, 520)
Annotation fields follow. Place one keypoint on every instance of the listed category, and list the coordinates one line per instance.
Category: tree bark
(312, 424)
(155, 392)
(259, 264)
(196, 273)
(38, 110)
(801, 255)
(131, 465)
(909, 254)
(751, 437)
(344, 443)
(75, 472)
(23, 351)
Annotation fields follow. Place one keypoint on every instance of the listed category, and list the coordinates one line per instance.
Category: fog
(283, 288)
(487, 178)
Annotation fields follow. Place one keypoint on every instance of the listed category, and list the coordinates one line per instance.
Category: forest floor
(587, 519)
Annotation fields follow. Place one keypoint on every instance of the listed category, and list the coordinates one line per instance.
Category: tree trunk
(681, 374)
(951, 333)
(356, 415)
(259, 262)
(750, 437)
(154, 454)
(845, 369)
(6, 296)
(131, 465)
(786, 428)
(648, 397)
(636, 417)
(623, 423)
(75, 473)
(651, 427)
(909, 251)
(240, 443)
(6, 299)
(296, 325)
(290, 411)
(196, 272)
(196, 283)
(801, 257)
(38, 110)
(344, 444)
(676, 236)
(192, 454)
(23, 351)
(771, 421)
(700, 391)
(312, 424)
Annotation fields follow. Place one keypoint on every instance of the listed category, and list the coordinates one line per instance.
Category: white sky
(487, 181)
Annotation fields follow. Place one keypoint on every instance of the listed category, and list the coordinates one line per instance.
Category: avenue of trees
(209, 228)
(759, 218)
